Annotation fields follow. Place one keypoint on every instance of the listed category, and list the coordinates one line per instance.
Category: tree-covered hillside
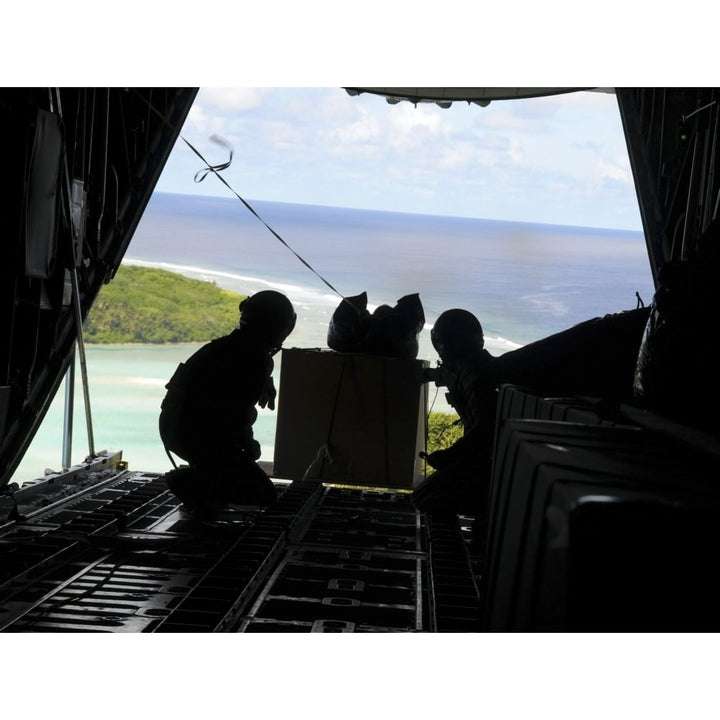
(149, 305)
(443, 430)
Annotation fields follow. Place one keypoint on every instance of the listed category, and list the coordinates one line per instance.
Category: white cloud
(383, 132)
(215, 110)
(515, 152)
(600, 98)
(458, 156)
(512, 118)
(618, 170)
(201, 124)
(231, 99)
(407, 118)
(280, 134)
(364, 129)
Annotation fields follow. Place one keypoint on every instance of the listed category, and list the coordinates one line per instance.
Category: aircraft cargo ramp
(121, 556)
(601, 519)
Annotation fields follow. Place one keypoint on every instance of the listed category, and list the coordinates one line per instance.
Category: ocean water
(524, 281)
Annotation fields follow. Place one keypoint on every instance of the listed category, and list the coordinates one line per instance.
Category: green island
(152, 306)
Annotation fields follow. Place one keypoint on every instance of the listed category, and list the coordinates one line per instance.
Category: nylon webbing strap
(215, 169)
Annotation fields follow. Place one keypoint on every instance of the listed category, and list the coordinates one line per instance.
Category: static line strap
(202, 174)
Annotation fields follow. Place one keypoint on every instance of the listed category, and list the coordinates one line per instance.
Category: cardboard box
(350, 419)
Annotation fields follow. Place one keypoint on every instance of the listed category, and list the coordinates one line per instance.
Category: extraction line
(215, 170)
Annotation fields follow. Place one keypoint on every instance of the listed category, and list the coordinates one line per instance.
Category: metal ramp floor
(122, 556)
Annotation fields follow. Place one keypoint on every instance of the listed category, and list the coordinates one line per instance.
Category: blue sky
(558, 159)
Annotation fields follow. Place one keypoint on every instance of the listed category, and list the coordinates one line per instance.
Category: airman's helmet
(270, 314)
(457, 333)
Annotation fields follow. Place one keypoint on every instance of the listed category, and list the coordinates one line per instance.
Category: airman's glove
(268, 395)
